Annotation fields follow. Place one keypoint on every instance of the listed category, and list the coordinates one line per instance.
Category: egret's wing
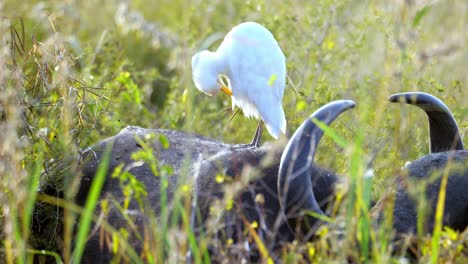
(254, 56)
(269, 107)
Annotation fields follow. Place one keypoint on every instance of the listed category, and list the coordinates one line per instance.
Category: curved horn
(294, 181)
(443, 128)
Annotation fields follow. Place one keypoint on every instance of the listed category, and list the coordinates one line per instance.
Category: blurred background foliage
(75, 72)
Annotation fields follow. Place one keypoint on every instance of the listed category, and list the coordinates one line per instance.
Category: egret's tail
(275, 120)
(269, 109)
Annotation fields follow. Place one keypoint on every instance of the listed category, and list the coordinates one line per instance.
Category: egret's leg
(232, 117)
(258, 135)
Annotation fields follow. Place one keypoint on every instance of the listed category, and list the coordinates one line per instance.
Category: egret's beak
(226, 90)
(223, 87)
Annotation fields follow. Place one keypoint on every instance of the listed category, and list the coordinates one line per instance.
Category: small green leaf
(420, 14)
(167, 169)
(301, 105)
(272, 79)
(229, 204)
(219, 178)
(164, 141)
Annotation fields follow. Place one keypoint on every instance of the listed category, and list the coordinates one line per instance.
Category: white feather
(255, 67)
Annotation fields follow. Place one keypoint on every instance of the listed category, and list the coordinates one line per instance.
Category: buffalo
(447, 159)
(257, 201)
(277, 187)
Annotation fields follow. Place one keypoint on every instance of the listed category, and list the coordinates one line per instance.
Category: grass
(90, 207)
(74, 73)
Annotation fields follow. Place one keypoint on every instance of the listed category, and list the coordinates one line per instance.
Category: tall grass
(75, 72)
(90, 207)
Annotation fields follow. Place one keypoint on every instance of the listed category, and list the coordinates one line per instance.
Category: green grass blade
(56, 256)
(438, 218)
(31, 198)
(330, 132)
(91, 203)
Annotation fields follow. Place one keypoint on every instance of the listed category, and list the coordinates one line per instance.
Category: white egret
(252, 62)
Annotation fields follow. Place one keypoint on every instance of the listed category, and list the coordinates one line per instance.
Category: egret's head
(205, 72)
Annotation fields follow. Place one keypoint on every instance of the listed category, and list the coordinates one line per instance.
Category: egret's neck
(217, 62)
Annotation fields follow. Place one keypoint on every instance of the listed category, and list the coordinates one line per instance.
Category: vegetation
(75, 72)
